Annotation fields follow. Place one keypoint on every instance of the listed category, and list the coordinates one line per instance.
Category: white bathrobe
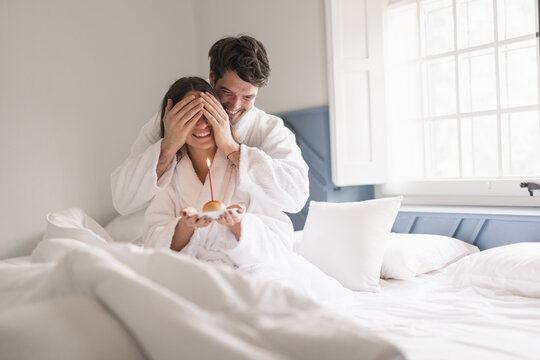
(267, 233)
(271, 164)
(265, 245)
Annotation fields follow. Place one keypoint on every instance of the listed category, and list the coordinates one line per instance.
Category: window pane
(405, 134)
(402, 34)
(516, 18)
(477, 83)
(479, 146)
(440, 87)
(521, 144)
(518, 71)
(442, 156)
(474, 22)
(403, 92)
(437, 24)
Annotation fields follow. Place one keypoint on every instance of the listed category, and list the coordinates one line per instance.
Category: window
(462, 99)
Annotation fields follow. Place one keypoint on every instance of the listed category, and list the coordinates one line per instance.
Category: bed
(91, 292)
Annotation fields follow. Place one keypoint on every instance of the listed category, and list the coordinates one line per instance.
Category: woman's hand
(232, 218)
(179, 121)
(186, 226)
(191, 220)
(219, 120)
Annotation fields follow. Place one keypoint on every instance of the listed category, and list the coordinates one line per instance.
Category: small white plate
(210, 214)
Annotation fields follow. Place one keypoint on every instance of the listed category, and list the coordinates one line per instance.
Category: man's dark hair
(244, 55)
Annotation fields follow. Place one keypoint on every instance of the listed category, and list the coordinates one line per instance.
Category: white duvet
(76, 301)
(161, 305)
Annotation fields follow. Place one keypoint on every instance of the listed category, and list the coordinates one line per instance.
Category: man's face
(236, 95)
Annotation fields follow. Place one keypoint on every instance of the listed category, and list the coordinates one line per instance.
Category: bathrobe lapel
(194, 193)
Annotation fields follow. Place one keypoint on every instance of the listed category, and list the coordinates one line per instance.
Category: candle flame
(208, 162)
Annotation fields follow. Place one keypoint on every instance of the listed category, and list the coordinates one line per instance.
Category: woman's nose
(202, 123)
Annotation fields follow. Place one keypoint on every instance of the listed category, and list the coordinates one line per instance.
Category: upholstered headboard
(485, 229)
(311, 128)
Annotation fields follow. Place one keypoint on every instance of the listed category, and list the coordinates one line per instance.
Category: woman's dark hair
(180, 88)
(244, 55)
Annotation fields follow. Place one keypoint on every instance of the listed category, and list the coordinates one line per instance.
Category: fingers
(229, 217)
(211, 102)
(195, 221)
(191, 120)
(203, 221)
(190, 110)
(187, 107)
(214, 106)
(168, 107)
(211, 118)
(182, 103)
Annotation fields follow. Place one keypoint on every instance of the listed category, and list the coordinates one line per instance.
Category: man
(267, 156)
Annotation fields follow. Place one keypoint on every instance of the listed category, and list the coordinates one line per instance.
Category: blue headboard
(485, 230)
(311, 128)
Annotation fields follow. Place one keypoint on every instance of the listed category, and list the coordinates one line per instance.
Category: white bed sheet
(430, 318)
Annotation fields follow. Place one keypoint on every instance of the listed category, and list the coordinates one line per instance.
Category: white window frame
(356, 91)
(489, 192)
(477, 192)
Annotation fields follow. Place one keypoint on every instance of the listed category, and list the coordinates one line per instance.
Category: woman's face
(202, 136)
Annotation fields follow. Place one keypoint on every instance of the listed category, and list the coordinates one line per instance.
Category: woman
(256, 239)
(253, 234)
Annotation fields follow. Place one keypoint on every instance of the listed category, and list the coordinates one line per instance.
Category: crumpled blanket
(178, 307)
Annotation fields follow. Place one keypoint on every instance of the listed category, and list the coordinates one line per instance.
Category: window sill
(493, 210)
(502, 193)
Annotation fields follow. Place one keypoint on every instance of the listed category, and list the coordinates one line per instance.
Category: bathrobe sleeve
(275, 170)
(160, 220)
(135, 183)
(258, 243)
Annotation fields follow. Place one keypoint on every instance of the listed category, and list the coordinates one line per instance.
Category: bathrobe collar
(196, 193)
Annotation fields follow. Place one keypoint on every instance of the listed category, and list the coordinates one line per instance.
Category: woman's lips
(201, 135)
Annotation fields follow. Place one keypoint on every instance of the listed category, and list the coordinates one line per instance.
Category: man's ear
(211, 78)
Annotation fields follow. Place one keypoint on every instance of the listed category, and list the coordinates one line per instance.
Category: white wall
(293, 33)
(77, 81)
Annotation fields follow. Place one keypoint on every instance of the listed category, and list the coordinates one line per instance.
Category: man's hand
(179, 121)
(219, 120)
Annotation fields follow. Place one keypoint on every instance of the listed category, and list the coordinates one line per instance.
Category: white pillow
(127, 228)
(409, 255)
(511, 270)
(347, 240)
(73, 223)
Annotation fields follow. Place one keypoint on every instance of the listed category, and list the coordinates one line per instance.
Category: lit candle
(210, 177)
